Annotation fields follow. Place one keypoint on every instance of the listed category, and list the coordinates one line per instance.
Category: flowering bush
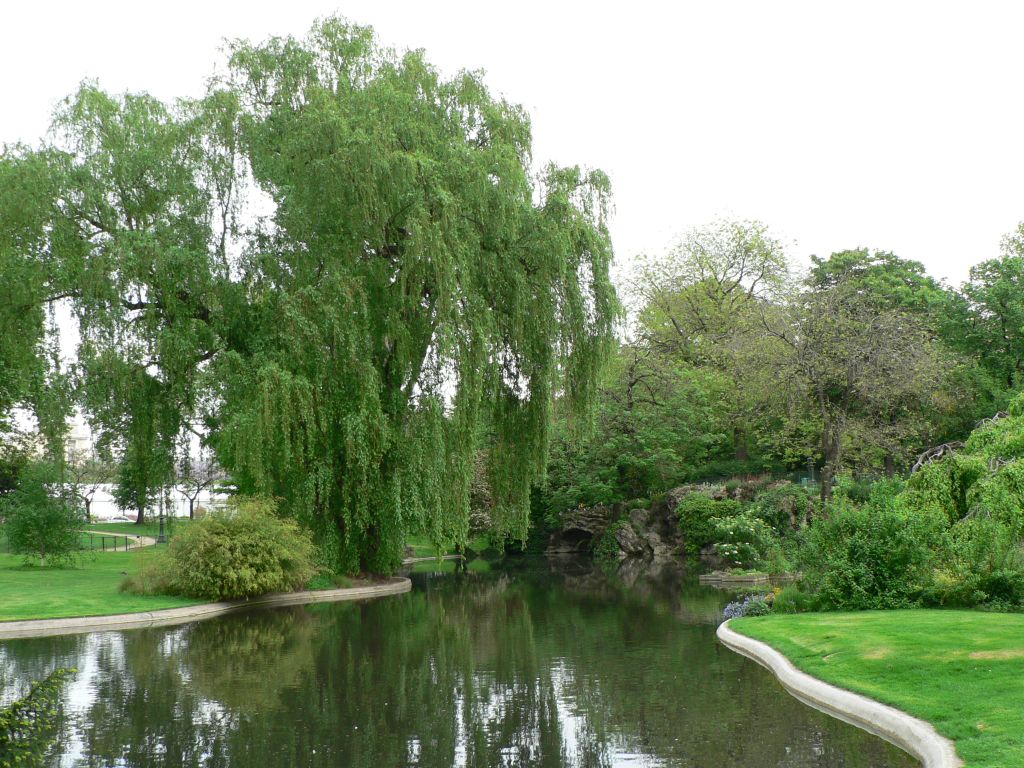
(751, 605)
(743, 540)
(697, 513)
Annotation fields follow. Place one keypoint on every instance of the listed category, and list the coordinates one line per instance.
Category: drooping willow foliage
(985, 479)
(417, 292)
(409, 294)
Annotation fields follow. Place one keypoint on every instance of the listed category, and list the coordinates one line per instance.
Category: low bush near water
(743, 540)
(242, 551)
(751, 605)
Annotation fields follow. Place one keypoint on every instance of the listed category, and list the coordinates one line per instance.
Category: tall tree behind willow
(140, 198)
(414, 280)
(34, 283)
(701, 305)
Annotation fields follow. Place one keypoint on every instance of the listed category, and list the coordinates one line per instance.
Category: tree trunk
(191, 508)
(739, 441)
(830, 448)
(142, 515)
(890, 466)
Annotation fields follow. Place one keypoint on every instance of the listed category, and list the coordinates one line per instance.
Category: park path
(134, 542)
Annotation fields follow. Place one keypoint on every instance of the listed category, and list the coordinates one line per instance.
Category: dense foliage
(697, 515)
(28, 725)
(41, 517)
(874, 555)
(337, 267)
(243, 551)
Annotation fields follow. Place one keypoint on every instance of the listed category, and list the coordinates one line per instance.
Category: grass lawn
(90, 589)
(962, 671)
(422, 547)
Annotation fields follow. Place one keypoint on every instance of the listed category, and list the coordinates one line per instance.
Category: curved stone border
(170, 616)
(915, 736)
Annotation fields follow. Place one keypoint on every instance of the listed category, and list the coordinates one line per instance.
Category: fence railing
(106, 542)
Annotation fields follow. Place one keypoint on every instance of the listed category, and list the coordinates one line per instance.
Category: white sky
(893, 125)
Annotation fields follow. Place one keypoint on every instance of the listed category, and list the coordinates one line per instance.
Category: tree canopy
(415, 291)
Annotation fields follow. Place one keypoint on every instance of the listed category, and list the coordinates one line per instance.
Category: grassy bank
(422, 546)
(962, 671)
(90, 589)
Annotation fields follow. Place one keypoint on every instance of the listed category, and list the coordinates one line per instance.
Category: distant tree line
(737, 362)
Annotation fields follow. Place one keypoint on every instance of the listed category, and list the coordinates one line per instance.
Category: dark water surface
(535, 666)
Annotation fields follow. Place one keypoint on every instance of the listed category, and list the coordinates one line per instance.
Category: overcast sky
(889, 125)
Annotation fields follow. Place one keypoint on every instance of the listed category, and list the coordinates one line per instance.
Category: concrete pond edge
(915, 736)
(10, 630)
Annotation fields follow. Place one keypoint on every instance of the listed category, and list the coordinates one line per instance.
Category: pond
(529, 665)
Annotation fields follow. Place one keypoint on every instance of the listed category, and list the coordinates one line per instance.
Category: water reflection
(527, 668)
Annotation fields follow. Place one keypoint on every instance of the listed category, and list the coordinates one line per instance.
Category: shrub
(878, 555)
(40, 521)
(751, 605)
(984, 566)
(792, 599)
(784, 507)
(606, 550)
(743, 540)
(30, 725)
(696, 512)
(242, 551)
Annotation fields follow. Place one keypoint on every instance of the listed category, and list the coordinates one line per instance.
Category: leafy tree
(657, 422)
(890, 281)
(34, 282)
(86, 473)
(864, 369)
(414, 279)
(134, 191)
(194, 477)
(993, 313)
(40, 519)
(25, 263)
(962, 395)
(702, 303)
(413, 282)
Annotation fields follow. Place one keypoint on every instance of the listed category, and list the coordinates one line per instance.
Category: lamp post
(161, 537)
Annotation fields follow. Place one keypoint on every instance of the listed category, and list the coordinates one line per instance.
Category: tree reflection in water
(531, 668)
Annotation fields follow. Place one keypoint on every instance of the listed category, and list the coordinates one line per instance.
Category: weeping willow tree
(415, 292)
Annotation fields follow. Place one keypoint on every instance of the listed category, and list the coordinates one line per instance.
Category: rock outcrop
(640, 533)
(644, 534)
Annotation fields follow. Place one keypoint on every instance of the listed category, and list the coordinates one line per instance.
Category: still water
(534, 665)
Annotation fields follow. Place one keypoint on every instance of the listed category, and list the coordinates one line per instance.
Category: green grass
(90, 589)
(962, 671)
(422, 547)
